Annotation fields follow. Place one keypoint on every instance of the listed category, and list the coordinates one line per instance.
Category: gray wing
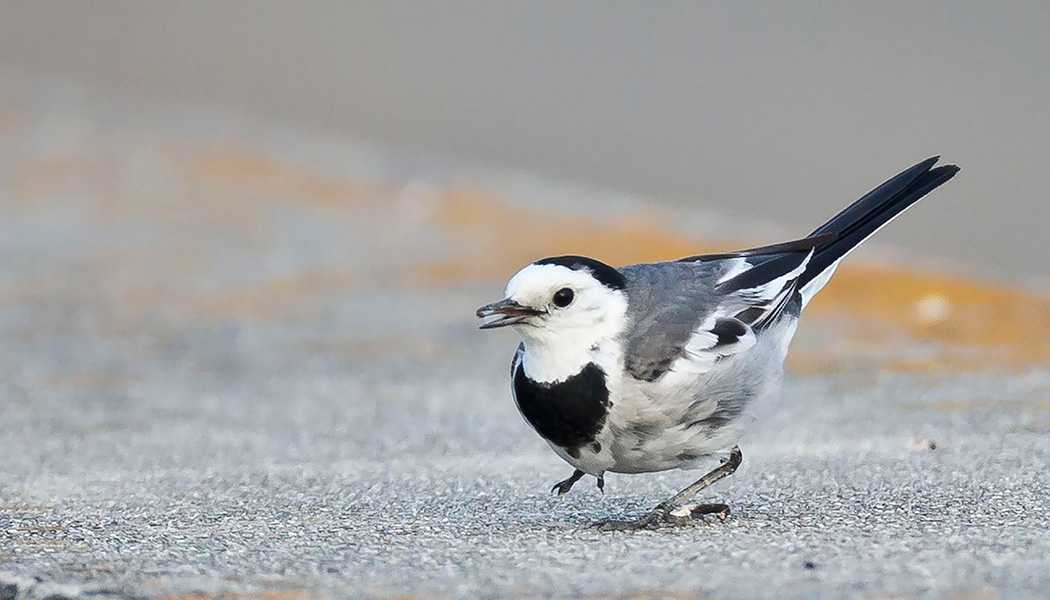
(703, 310)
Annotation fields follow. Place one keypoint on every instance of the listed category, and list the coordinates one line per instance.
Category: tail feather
(863, 218)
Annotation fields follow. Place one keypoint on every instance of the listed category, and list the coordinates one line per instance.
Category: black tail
(866, 216)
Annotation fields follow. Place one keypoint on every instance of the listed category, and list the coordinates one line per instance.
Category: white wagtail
(653, 366)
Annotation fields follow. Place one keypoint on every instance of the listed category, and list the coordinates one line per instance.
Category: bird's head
(567, 301)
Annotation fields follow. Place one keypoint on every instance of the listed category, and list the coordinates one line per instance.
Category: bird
(654, 366)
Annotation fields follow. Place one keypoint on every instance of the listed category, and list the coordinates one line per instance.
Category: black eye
(563, 297)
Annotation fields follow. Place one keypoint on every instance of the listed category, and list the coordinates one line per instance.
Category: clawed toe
(652, 520)
(643, 523)
(561, 487)
(564, 486)
(681, 516)
(717, 508)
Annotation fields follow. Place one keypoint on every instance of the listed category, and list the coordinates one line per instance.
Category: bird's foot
(564, 486)
(664, 515)
(691, 511)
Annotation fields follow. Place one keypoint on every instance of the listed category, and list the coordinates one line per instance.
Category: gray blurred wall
(783, 111)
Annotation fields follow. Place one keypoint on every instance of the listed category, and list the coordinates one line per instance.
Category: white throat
(553, 363)
(554, 354)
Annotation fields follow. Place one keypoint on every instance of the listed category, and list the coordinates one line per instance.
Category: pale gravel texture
(152, 452)
(349, 480)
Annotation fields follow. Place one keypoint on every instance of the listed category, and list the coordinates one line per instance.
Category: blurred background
(779, 113)
(224, 188)
(241, 246)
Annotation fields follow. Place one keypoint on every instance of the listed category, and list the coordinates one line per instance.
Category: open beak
(509, 312)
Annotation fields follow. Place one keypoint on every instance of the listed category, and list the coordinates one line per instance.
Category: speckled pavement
(240, 360)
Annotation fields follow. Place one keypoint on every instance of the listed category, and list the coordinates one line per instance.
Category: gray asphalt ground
(213, 387)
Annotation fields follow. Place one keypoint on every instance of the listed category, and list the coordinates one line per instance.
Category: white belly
(679, 420)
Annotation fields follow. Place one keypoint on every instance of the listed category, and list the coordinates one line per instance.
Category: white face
(572, 307)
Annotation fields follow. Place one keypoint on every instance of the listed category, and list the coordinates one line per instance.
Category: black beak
(509, 311)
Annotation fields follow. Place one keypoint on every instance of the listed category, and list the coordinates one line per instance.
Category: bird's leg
(666, 511)
(601, 483)
(563, 486)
